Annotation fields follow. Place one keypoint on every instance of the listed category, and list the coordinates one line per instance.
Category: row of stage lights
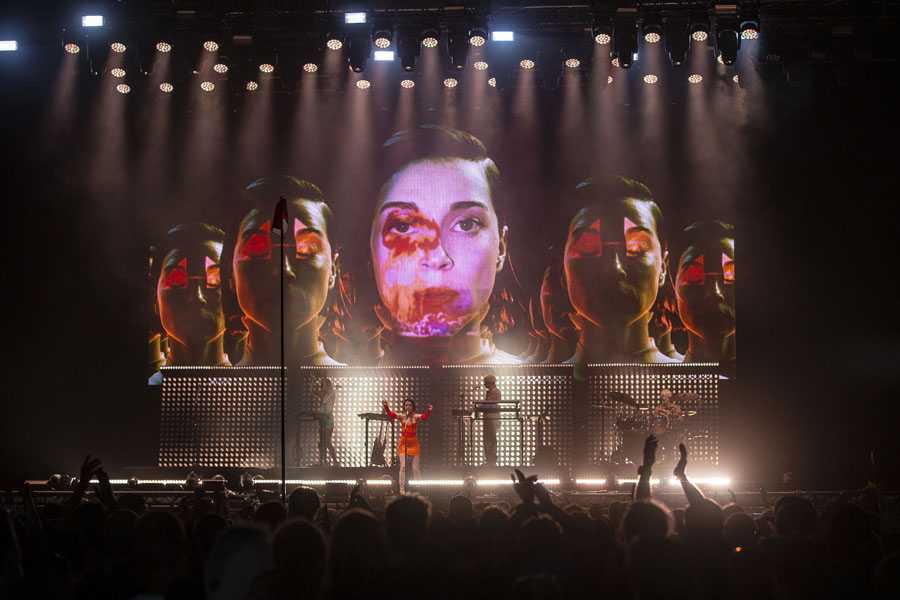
(618, 32)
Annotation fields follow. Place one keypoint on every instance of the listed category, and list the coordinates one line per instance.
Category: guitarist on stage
(409, 440)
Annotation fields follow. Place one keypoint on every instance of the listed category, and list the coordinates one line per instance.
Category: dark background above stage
(819, 343)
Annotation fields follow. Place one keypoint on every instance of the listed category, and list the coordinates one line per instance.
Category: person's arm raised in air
(424, 416)
(694, 495)
(387, 409)
(642, 489)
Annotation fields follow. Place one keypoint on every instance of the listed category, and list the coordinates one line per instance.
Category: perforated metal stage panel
(230, 417)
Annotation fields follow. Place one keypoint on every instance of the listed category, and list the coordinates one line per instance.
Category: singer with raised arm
(409, 440)
(491, 422)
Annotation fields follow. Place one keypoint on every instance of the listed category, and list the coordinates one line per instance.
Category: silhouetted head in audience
(160, 545)
(406, 523)
(494, 522)
(646, 520)
(356, 559)
(304, 502)
(119, 534)
(206, 529)
(703, 521)
(270, 515)
(461, 509)
(795, 517)
(239, 556)
(740, 531)
(299, 549)
(133, 502)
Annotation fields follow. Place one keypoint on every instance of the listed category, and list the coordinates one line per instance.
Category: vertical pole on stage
(278, 223)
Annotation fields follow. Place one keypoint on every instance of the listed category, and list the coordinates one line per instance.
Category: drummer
(669, 408)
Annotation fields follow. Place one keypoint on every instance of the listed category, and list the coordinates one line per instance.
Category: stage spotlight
(526, 63)
(207, 86)
(334, 43)
(615, 62)
(383, 55)
(677, 40)
(211, 46)
(118, 47)
(503, 36)
(382, 39)
(650, 78)
(266, 68)
(166, 87)
(749, 31)
(430, 38)
(354, 18)
(695, 78)
(92, 21)
(407, 84)
(457, 47)
(625, 44)
(118, 72)
(727, 43)
(251, 86)
(220, 68)
(699, 28)
(652, 28)
(358, 52)
(572, 63)
(363, 84)
(609, 79)
(163, 47)
(8, 45)
(736, 79)
(477, 37)
(408, 47)
(480, 65)
(492, 82)
(72, 48)
(123, 88)
(310, 67)
(451, 82)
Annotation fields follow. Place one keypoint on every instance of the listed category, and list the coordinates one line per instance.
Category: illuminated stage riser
(229, 418)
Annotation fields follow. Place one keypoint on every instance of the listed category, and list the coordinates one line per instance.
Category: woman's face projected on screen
(189, 294)
(705, 288)
(307, 269)
(436, 247)
(614, 262)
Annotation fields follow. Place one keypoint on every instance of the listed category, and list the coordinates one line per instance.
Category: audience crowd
(112, 548)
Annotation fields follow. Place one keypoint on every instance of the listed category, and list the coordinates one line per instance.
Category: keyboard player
(491, 419)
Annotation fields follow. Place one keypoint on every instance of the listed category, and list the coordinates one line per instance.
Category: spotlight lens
(407, 84)
(220, 68)
(573, 63)
(166, 87)
(363, 84)
(118, 47)
(163, 47)
(736, 79)
(650, 78)
(750, 33)
(480, 65)
(651, 37)
(123, 88)
(118, 73)
(602, 38)
(310, 67)
(492, 82)
(382, 42)
(210, 46)
(615, 62)
(699, 36)
(252, 86)
(477, 40)
(526, 63)
(334, 44)
(429, 42)
(72, 48)
(266, 68)
(451, 82)
(719, 59)
(92, 21)
(695, 78)
(207, 86)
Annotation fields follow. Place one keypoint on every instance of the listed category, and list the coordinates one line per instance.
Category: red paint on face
(177, 277)
(307, 242)
(727, 268)
(213, 274)
(258, 245)
(407, 232)
(435, 300)
(589, 242)
(694, 273)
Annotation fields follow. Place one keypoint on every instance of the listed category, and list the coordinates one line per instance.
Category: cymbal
(621, 397)
(686, 397)
(690, 413)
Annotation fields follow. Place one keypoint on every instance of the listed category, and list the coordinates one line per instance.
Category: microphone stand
(280, 213)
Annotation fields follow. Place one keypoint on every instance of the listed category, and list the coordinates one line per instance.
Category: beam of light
(255, 135)
(590, 482)
(155, 166)
(306, 125)
(59, 120)
(608, 100)
(571, 131)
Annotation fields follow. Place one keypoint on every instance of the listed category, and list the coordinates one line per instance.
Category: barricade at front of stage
(230, 417)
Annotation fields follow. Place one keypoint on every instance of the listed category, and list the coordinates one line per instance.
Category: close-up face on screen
(436, 247)
(705, 288)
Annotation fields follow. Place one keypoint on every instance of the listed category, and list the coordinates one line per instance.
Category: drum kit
(669, 421)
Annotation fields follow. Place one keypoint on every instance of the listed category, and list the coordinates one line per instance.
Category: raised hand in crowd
(642, 489)
(694, 495)
(88, 468)
(524, 486)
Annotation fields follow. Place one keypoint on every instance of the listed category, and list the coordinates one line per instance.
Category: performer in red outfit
(409, 442)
